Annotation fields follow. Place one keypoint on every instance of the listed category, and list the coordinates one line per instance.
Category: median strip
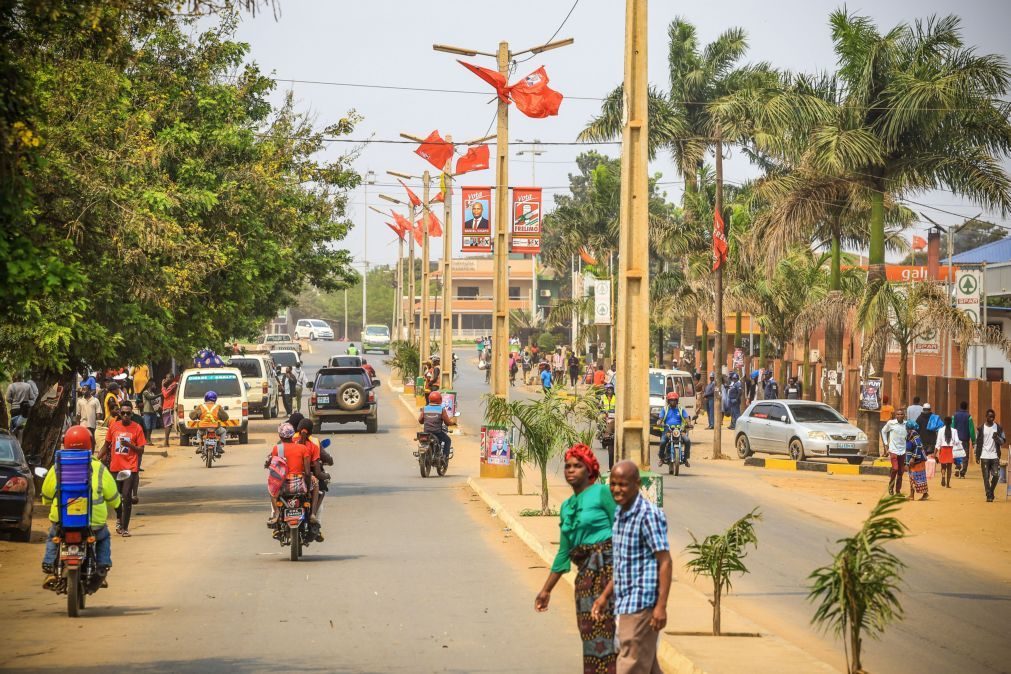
(875, 468)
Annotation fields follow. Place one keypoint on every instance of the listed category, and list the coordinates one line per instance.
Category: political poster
(476, 220)
(497, 445)
(526, 226)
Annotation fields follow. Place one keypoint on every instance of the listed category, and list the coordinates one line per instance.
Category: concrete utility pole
(398, 304)
(410, 270)
(426, 311)
(370, 179)
(718, 356)
(500, 224)
(632, 410)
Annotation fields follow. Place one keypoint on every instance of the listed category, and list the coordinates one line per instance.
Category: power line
(555, 34)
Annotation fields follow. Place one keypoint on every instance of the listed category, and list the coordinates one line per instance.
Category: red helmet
(434, 398)
(77, 437)
(673, 395)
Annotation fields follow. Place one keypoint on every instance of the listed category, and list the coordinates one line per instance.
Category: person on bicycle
(210, 415)
(673, 415)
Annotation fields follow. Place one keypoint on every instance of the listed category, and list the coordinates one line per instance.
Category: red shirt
(168, 396)
(124, 458)
(313, 448)
(598, 377)
(298, 457)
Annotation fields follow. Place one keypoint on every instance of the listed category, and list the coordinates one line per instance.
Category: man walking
(988, 442)
(709, 393)
(914, 411)
(287, 389)
(88, 411)
(966, 427)
(299, 385)
(928, 437)
(893, 436)
(734, 399)
(642, 573)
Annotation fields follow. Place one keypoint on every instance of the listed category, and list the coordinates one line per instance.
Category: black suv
(341, 395)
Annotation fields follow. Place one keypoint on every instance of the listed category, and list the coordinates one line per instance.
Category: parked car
(17, 489)
(313, 328)
(232, 396)
(259, 372)
(799, 428)
(376, 338)
(345, 360)
(342, 395)
(662, 382)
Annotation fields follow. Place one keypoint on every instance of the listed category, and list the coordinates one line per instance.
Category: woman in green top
(585, 521)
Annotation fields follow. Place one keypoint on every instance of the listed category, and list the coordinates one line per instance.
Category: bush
(546, 342)
(405, 359)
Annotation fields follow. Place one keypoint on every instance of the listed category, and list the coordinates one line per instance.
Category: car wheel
(351, 397)
(266, 412)
(743, 446)
(855, 460)
(372, 425)
(312, 336)
(273, 411)
(317, 427)
(22, 535)
(796, 450)
(243, 437)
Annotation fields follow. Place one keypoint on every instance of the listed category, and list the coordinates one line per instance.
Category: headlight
(861, 437)
(817, 435)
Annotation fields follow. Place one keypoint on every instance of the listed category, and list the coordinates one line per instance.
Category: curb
(816, 467)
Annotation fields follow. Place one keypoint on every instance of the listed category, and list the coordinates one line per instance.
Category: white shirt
(989, 445)
(894, 436)
(955, 442)
(88, 409)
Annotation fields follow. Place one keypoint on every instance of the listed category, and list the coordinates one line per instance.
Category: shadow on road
(194, 666)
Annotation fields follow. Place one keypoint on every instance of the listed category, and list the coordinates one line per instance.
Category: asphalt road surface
(414, 575)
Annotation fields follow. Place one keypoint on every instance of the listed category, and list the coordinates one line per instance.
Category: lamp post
(370, 179)
(534, 153)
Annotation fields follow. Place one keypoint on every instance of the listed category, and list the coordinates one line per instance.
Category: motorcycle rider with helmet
(298, 458)
(104, 495)
(673, 415)
(210, 415)
(434, 416)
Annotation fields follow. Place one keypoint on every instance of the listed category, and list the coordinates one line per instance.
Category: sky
(389, 43)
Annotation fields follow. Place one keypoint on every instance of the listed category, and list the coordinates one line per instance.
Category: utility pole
(410, 270)
(370, 179)
(345, 314)
(500, 226)
(398, 304)
(632, 410)
(534, 153)
(426, 311)
(446, 332)
(718, 356)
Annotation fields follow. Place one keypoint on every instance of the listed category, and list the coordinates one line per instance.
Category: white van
(258, 371)
(227, 383)
(662, 382)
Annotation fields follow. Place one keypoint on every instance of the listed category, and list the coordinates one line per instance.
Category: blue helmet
(210, 397)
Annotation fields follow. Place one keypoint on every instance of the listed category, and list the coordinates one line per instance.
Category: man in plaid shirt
(642, 573)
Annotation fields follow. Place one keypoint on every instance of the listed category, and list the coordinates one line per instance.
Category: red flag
(492, 77)
(419, 231)
(434, 226)
(919, 243)
(403, 223)
(719, 241)
(439, 198)
(435, 150)
(396, 230)
(410, 195)
(476, 159)
(533, 97)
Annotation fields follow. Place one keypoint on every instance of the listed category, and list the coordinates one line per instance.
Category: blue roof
(991, 253)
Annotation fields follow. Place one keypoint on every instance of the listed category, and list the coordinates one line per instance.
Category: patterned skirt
(595, 567)
(918, 476)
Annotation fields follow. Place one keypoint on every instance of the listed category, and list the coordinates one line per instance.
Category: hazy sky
(387, 42)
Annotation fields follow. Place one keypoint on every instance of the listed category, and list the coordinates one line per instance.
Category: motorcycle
(430, 454)
(293, 528)
(209, 444)
(606, 435)
(672, 452)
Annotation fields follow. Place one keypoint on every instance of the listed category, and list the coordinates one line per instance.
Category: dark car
(345, 361)
(17, 489)
(342, 395)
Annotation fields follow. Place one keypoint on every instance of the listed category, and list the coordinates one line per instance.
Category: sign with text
(602, 302)
(526, 220)
(968, 283)
(476, 220)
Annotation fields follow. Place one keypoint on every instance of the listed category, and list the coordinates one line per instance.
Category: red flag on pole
(919, 243)
(439, 198)
(533, 96)
(435, 150)
(719, 241)
(492, 77)
(476, 159)
(410, 195)
(419, 231)
(434, 226)
(403, 223)
(396, 230)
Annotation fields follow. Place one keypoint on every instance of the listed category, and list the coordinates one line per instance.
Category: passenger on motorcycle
(298, 458)
(210, 415)
(434, 416)
(104, 494)
(318, 457)
(673, 415)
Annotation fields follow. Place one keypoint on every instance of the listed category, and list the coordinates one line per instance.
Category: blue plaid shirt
(639, 533)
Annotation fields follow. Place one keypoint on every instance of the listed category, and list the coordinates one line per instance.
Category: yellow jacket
(104, 494)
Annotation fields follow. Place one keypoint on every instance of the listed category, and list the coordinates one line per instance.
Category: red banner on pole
(435, 150)
(476, 220)
(526, 226)
(719, 241)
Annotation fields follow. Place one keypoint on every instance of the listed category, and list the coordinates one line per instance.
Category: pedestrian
(169, 385)
(751, 387)
(545, 377)
(585, 522)
(513, 368)
(527, 364)
(914, 411)
(573, 369)
(151, 400)
(886, 411)
(288, 389)
(966, 428)
(709, 394)
(642, 573)
(949, 445)
(893, 437)
(771, 389)
(140, 376)
(20, 420)
(300, 384)
(88, 381)
(599, 377)
(87, 411)
(111, 400)
(609, 377)
(794, 391)
(480, 348)
(734, 399)
(988, 443)
(123, 446)
(21, 391)
(916, 459)
(928, 424)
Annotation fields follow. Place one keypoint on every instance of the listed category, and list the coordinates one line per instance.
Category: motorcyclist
(299, 460)
(352, 349)
(318, 458)
(369, 369)
(673, 415)
(434, 417)
(104, 494)
(210, 414)
(607, 401)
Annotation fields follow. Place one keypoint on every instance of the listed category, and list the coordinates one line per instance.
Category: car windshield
(345, 361)
(318, 324)
(331, 381)
(377, 331)
(816, 414)
(249, 367)
(656, 385)
(223, 383)
(285, 358)
(10, 453)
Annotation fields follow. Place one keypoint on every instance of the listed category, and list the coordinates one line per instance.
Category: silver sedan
(799, 428)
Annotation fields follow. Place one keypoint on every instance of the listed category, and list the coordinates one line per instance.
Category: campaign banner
(476, 220)
(526, 228)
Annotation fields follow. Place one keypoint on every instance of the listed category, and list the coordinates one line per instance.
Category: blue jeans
(103, 546)
(711, 411)
(735, 413)
(447, 442)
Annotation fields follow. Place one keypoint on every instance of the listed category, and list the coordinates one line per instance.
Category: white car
(313, 328)
(231, 389)
(258, 371)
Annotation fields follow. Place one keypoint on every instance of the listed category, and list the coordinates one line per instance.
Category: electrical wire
(553, 35)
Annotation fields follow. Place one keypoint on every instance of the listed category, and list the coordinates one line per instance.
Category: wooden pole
(500, 227)
(718, 356)
(426, 311)
(447, 277)
(410, 280)
(398, 307)
(632, 412)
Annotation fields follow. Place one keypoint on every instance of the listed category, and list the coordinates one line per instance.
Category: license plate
(323, 400)
(846, 445)
(293, 514)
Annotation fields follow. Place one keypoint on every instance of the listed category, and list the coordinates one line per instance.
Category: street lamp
(370, 179)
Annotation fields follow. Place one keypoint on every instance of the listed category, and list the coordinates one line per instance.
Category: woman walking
(917, 459)
(949, 447)
(586, 518)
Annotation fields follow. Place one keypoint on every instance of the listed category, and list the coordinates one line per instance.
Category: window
(514, 292)
(686, 386)
(377, 331)
(249, 367)
(319, 324)
(769, 411)
(475, 321)
(816, 414)
(656, 385)
(9, 451)
(284, 358)
(469, 292)
(777, 411)
(333, 381)
(345, 361)
(224, 384)
(303, 323)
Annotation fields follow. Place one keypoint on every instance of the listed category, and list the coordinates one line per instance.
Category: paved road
(414, 576)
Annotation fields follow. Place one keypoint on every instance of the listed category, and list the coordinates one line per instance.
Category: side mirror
(325, 443)
(246, 384)
(40, 471)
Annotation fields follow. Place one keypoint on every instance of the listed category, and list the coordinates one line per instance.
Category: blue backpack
(935, 423)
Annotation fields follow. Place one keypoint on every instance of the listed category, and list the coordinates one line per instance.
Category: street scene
(623, 338)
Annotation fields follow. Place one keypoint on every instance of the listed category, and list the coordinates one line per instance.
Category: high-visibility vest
(608, 403)
(209, 415)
